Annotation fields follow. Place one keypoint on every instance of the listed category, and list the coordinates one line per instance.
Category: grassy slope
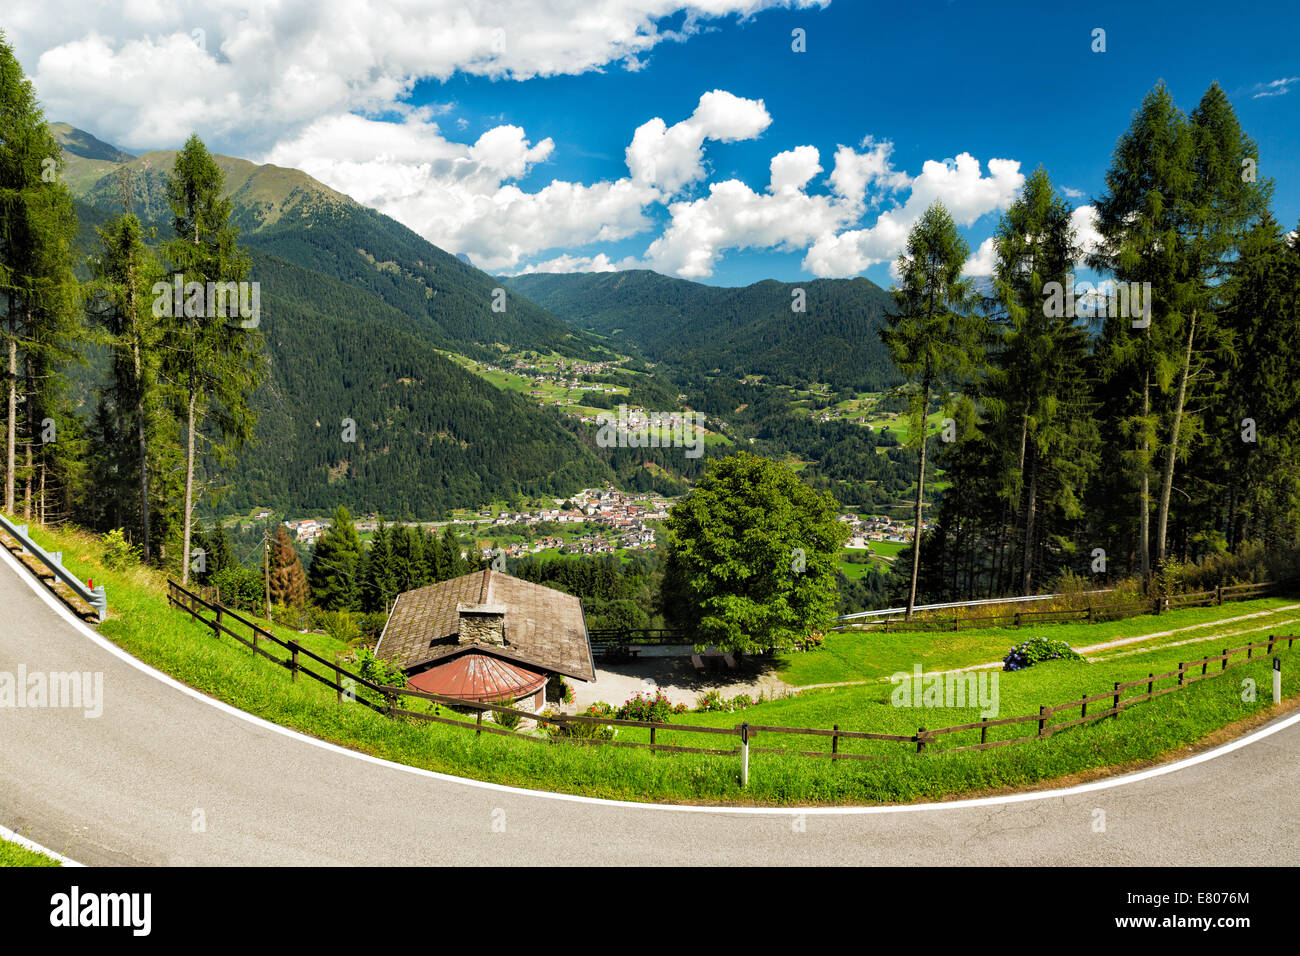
(848, 656)
(142, 624)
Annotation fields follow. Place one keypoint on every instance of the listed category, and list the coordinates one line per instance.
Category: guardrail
(53, 560)
(1100, 612)
(887, 611)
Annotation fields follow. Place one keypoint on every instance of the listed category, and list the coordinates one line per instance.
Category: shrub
(377, 671)
(340, 625)
(508, 721)
(710, 701)
(714, 701)
(117, 551)
(1038, 649)
(657, 708)
(584, 730)
(372, 625)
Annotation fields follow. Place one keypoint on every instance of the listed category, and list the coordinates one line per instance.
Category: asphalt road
(128, 787)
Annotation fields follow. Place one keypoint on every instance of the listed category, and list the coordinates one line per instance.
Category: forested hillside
(751, 330)
(354, 307)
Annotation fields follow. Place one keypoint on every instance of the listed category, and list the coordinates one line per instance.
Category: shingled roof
(543, 627)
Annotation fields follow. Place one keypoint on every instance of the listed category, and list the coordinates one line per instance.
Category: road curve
(124, 788)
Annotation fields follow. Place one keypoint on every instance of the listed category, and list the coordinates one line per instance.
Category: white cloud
(1072, 193)
(1083, 220)
(671, 157)
(146, 73)
(460, 196)
(568, 263)
(854, 172)
(985, 258)
(958, 183)
(786, 217)
(1274, 87)
(792, 169)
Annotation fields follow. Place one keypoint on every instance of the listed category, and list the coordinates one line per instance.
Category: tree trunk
(1167, 484)
(12, 430)
(1144, 495)
(139, 413)
(189, 490)
(920, 492)
(1031, 508)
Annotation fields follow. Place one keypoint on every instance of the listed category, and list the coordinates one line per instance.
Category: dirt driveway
(675, 676)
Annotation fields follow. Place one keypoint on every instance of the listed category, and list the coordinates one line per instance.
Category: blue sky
(506, 138)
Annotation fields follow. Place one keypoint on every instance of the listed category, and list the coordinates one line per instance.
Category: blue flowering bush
(1037, 649)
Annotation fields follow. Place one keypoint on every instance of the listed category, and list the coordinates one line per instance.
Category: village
(623, 520)
(865, 529)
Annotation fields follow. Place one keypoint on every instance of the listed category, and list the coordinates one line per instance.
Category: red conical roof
(480, 678)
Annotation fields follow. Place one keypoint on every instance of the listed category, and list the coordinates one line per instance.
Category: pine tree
(455, 565)
(1138, 221)
(1215, 212)
(1037, 390)
(42, 326)
(1257, 417)
(215, 362)
(933, 335)
(379, 580)
(288, 580)
(408, 559)
(220, 554)
(135, 428)
(336, 566)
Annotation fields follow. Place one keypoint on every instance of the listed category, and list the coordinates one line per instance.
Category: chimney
(481, 624)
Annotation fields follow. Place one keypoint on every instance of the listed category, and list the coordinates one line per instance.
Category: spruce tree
(1037, 390)
(42, 326)
(135, 433)
(336, 566)
(379, 580)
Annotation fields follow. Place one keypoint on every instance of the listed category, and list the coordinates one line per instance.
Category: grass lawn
(867, 655)
(14, 854)
(141, 622)
(853, 571)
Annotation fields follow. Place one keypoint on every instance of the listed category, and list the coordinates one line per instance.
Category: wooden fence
(1100, 612)
(346, 684)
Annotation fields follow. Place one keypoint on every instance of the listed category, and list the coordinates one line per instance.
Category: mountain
(287, 213)
(750, 330)
(355, 307)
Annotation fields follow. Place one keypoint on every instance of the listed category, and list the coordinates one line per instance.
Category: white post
(744, 755)
(1277, 680)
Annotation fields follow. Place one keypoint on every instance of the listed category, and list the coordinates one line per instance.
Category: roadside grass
(142, 624)
(864, 655)
(15, 854)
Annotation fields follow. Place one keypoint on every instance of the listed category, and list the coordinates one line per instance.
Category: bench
(729, 661)
(697, 663)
